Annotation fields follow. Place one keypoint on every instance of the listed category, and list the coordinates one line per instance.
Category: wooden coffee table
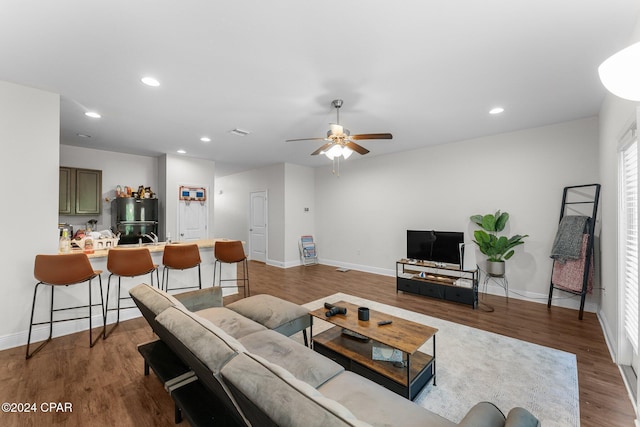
(406, 378)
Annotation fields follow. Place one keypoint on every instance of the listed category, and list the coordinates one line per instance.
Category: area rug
(474, 365)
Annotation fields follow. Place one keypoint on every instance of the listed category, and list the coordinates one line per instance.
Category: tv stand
(442, 281)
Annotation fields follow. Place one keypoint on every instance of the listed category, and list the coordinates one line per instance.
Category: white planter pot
(495, 268)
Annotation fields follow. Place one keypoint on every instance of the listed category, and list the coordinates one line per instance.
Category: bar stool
(180, 257)
(126, 262)
(231, 252)
(63, 270)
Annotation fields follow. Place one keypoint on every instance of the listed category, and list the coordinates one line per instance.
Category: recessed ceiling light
(496, 110)
(150, 81)
(205, 139)
(181, 152)
(83, 135)
(92, 114)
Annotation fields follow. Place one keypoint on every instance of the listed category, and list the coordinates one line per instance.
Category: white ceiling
(426, 71)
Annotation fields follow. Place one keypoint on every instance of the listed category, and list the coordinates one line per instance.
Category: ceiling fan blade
(323, 148)
(357, 148)
(305, 139)
(371, 136)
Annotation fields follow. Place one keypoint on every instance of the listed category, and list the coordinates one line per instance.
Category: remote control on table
(385, 322)
(355, 335)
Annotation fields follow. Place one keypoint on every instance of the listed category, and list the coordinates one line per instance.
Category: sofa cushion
(520, 417)
(231, 322)
(201, 298)
(304, 363)
(274, 313)
(483, 414)
(376, 405)
(285, 399)
(153, 298)
(206, 341)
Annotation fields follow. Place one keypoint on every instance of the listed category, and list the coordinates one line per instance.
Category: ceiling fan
(340, 142)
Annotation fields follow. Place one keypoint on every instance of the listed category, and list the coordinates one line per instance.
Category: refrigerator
(134, 219)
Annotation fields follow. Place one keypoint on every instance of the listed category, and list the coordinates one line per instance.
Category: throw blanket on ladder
(569, 275)
(568, 241)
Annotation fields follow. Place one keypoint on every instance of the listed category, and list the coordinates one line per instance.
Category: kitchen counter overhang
(155, 247)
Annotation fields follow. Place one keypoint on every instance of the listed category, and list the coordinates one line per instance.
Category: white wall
(362, 215)
(29, 136)
(117, 169)
(616, 115)
(232, 207)
(299, 184)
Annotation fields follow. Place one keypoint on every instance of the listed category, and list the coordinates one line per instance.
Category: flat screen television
(436, 246)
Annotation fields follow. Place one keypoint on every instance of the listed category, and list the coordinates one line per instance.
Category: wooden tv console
(441, 281)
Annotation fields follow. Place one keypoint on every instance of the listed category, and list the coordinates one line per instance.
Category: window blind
(629, 236)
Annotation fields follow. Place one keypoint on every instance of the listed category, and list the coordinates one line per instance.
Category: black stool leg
(215, 267)
(92, 342)
(33, 307)
(105, 334)
(118, 312)
(90, 313)
(245, 278)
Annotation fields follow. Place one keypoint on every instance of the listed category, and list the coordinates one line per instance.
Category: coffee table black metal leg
(408, 376)
(434, 361)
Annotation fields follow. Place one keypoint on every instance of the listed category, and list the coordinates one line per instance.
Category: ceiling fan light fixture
(620, 73)
(339, 142)
(336, 129)
(333, 152)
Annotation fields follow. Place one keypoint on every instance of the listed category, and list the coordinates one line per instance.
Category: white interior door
(258, 226)
(192, 220)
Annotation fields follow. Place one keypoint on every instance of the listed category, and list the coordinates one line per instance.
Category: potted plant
(497, 249)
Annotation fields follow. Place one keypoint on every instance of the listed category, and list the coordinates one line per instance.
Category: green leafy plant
(495, 248)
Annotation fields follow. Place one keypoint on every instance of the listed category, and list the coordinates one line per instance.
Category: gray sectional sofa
(244, 359)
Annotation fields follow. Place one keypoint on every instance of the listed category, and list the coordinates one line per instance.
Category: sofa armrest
(201, 299)
(483, 414)
(520, 417)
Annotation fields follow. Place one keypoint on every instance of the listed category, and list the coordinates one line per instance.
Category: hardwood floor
(105, 384)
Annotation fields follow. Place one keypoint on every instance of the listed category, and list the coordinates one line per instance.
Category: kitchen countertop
(202, 244)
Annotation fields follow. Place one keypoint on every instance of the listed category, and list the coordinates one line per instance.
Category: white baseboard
(274, 263)
(367, 269)
(41, 332)
(570, 302)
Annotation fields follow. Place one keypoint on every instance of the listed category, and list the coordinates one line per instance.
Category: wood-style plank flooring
(105, 384)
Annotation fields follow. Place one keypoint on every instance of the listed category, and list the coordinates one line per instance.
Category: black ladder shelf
(589, 194)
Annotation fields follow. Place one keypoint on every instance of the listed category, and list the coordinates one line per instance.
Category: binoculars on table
(334, 309)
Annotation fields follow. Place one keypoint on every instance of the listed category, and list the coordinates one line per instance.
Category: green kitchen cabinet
(80, 191)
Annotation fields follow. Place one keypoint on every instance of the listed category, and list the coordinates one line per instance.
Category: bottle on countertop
(88, 244)
(65, 242)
